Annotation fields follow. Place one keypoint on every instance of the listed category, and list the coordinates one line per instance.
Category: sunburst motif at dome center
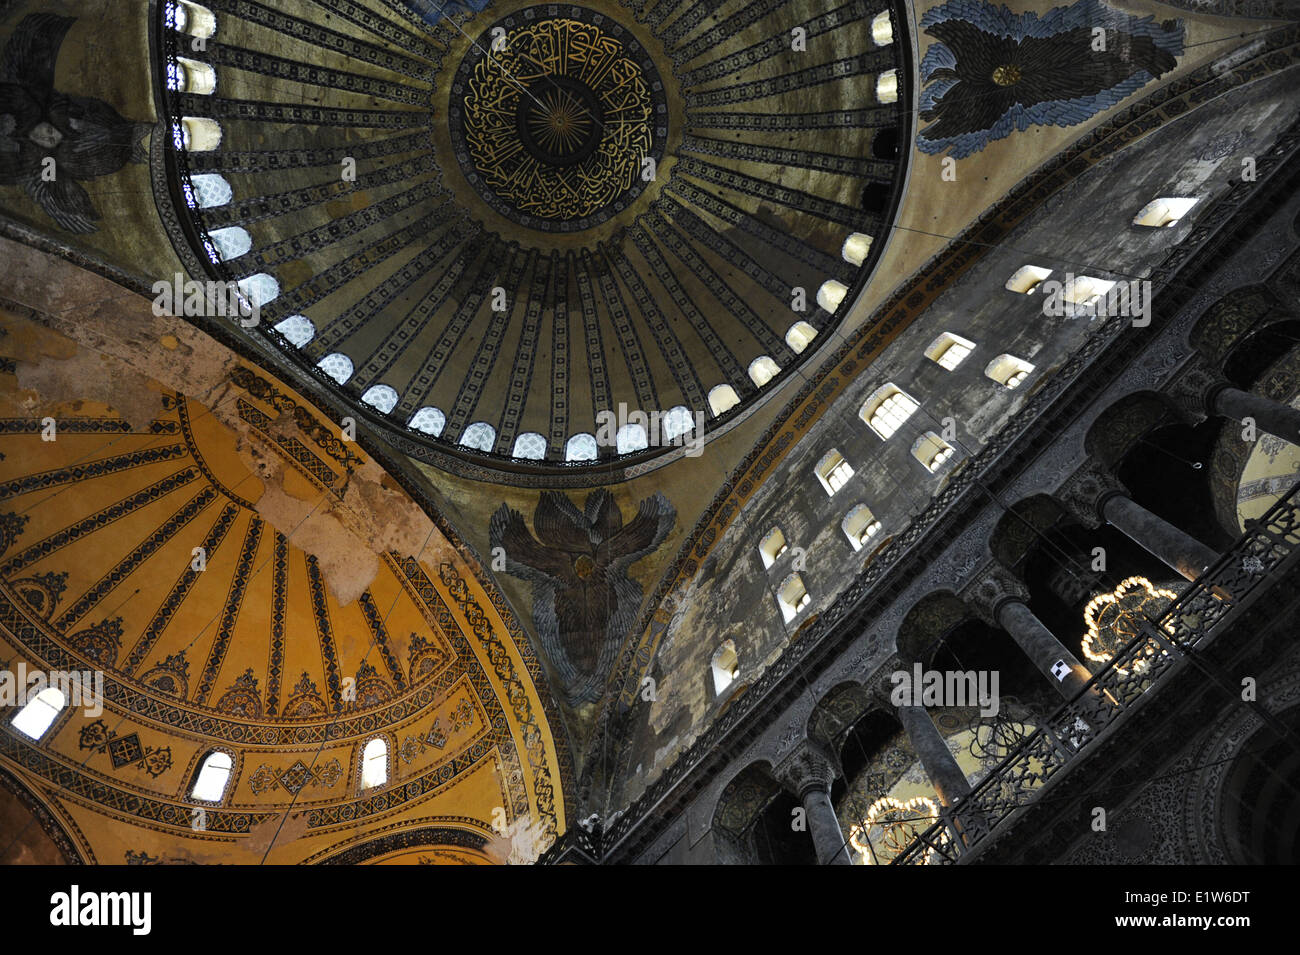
(558, 118)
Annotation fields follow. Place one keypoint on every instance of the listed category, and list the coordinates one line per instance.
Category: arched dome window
(581, 447)
(231, 242)
(380, 397)
(337, 365)
(211, 190)
(887, 409)
(428, 419)
(260, 288)
(772, 546)
(949, 350)
(197, 134)
(530, 445)
(630, 438)
(39, 713)
(833, 471)
(800, 336)
(830, 295)
(887, 87)
(191, 76)
(480, 435)
(859, 526)
(1009, 371)
(676, 422)
(932, 451)
(298, 330)
(725, 666)
(882, 31)
(214, 775)
(762, 370)
(722, 399)
(191, 18)
(374, 763)
(792, 597)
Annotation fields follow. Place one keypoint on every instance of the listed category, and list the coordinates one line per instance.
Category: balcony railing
(1061, 740)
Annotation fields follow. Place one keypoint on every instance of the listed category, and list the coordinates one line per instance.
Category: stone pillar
(1279, 420)
(808, 773)
(1062, 669)
(1157, 536)
(940, 765)
(999, 597)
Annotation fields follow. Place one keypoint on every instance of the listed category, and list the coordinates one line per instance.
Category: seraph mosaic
(993, 72)
(584, 602)
(50, 141)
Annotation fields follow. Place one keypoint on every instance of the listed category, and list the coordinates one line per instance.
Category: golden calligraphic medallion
(558, 121)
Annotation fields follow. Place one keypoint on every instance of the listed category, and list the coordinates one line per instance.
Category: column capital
(993, 587)
(1085, 492)
(1192, 390)
(808, 767)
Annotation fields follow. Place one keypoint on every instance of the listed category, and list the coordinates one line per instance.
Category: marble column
(1157, 536)
(1280, 420)
(1062, 669)
(940, 765)
(808, 773)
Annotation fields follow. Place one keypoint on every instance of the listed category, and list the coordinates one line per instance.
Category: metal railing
(1062, 738)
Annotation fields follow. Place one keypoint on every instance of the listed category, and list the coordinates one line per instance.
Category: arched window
(1084, 290)
(374, 763)
(887, 409)
(197, 134)
(772, 546)
(581, 447)
(429, 420)
(185, 17)
(337, 365)
(231, 242)
(932, 451)
(725, 666)
(479, 435)
(1027, 278)
(211, 190)
(530, 445)
(855, 248)
(214, 775)
(631, 437)
(380, 397)
(722, 399)
(260, 288)
(1165, 212)
(792, 597)
(949, 350)
(887, 87)
(831, 294)
(800, 336)
(1008, 370)
(676, 422)
(39, 713)
(833, 471)
(882, 31)
(762, 370)
(859, 526)
(298, 330)
(190, 76)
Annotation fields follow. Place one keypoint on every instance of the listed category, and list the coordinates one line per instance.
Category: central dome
(522, 237)
(558, 122)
